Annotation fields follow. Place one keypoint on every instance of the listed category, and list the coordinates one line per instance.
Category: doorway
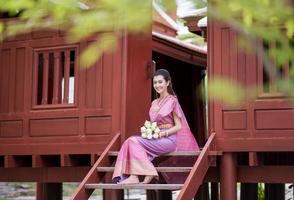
(186, 80)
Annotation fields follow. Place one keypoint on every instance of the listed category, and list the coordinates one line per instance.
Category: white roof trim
(181, 43)
(202, 22)
(194, 13)
(166, 16)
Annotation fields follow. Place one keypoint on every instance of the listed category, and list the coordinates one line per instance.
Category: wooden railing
(197, 174)
(93, 177)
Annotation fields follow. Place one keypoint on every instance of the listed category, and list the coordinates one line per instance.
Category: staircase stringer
(198, 172)
(81, 192)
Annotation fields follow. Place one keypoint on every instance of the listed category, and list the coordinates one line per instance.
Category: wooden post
(39, 191)
(66, 76)
(45, 78)
(56, 84)
(112, 194)
(49, 191)
(228, 177)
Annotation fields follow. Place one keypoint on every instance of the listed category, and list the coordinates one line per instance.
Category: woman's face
(160, 84)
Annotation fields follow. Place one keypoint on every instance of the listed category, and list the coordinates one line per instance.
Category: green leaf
(290, 28)
(105, 43)
(225, 91)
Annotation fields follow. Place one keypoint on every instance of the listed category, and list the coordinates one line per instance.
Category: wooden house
(256, 137)
(59, 123)
(57, 117)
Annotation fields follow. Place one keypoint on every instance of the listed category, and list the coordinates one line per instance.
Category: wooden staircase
(98, 177)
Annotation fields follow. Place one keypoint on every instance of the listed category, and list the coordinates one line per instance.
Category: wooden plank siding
(53, 126)
(264, 123)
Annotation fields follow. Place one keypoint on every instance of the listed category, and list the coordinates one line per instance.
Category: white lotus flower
(144, 135)
(157, 130)
(155, 135)
(149, 136)
(148, 131)
(147, 124)
(143, 129)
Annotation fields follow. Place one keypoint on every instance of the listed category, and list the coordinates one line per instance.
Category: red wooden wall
(264, 123)
(40, 121)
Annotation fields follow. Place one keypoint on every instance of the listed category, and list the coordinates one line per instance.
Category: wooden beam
(43, 174)
(180, 53)
(266, 174)
(134, 186)
(246, 174)
(197, 174)
(274, 144)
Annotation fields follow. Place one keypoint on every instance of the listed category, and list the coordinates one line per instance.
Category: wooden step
(176, 153)
(134, 186)
(159, 169)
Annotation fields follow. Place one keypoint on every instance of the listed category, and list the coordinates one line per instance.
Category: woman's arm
(174, 129)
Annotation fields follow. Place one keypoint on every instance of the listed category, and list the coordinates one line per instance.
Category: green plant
(260, 191)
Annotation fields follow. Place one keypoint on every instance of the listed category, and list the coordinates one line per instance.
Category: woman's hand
(174, 129)
(163, 134)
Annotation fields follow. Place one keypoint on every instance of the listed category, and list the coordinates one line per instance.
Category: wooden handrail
(81, 192)
(196, 176)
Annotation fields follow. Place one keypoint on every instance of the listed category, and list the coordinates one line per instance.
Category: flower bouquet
(150, 130)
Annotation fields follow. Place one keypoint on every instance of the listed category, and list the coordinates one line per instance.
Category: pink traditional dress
(136, 153)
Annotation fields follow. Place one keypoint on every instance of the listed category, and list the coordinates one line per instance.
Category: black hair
(167, 77)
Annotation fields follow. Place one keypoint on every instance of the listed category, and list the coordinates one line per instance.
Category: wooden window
(55, 76)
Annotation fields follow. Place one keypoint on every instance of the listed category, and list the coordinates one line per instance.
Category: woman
(134, 158)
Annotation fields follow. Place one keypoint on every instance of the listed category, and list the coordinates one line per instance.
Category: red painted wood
(20, 79)
(66, 77)
(255, 122)
(45, 78)
(43, 174)
(266, 174)
(12, 72)
(56, 84)
(35, 76)
(136, 72)
(92, 176)
(180, 53)
(27, 128)
(4, 86)
(39, 191)
(198, 171)
(11, 128)
(228, 177)
(246, 174)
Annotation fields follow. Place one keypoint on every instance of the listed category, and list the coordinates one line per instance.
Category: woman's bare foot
(132, 179)
(148, 179)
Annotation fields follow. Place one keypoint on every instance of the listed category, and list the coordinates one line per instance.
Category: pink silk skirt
(136, 154)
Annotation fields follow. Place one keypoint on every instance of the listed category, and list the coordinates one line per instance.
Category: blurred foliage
(80, 19)
(260, 191)
(194, 38)
(269, 21)
(266, 20)
(230, 92)
(260, 22)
